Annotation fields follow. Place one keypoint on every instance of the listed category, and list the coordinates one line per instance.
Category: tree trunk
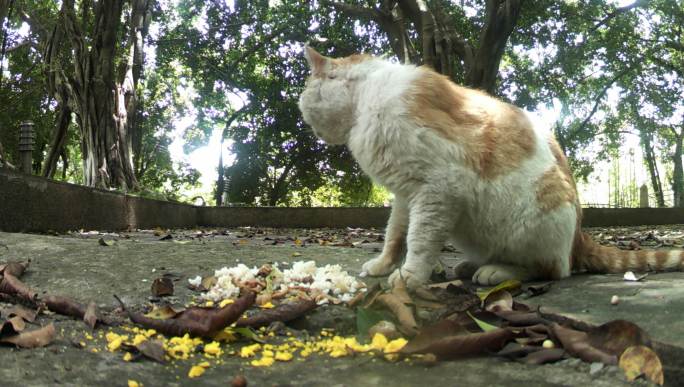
(58, 142)
(100, 101)
(678, 173)
(649, 156)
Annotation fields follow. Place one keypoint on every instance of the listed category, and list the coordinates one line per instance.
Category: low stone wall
(35, 204)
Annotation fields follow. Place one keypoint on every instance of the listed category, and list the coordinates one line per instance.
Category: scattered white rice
(329, 279)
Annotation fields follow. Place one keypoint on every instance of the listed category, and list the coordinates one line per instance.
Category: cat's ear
(317, 62)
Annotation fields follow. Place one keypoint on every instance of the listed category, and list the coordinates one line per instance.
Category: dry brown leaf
(404, 314)
(641, 360)
(499, 301)
(444, 285)
(284, 312)
(90, 315)
(616, 336)
(12, 326)
(576, 343)
(14, 268)
(431, 334)
(400, 291)
(10, 284)
(196, 321)
(32, 339)
(153, 349)
(473, 344)
(162, 287)
(23, 312)
(164, 312)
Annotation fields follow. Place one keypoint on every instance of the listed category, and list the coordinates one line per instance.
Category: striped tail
(595, 258)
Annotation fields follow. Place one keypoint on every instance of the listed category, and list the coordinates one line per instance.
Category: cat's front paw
(377, 267)
(412, 278)
(494, 274)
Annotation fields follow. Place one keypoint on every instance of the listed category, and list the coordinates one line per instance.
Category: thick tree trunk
(101, 101)
(649, 156)
(58, 142)
(678, 173)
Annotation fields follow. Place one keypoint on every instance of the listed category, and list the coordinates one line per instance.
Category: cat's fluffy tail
(593, 257)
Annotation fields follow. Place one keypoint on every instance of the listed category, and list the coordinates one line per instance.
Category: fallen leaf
(153, 349)
(617, 335)
(485, 326)
(32, 339)
(403, 314)
(14, 268)
(90, 315)
(451, 347)
(444, 285)
(248, 333)
(162, 287)
(10, 284)
(400, 291)
(641, 360)
(365, 319)
(576, 343)
(284, 312)
(18, 310)
(164, 312)
(105, 242)
(196, 321)
(432, 334)
(509, 285)
(499, 301)
(12, 326)
(537, 289)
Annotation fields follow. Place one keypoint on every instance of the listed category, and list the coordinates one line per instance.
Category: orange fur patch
(554, 189)
(496, 137)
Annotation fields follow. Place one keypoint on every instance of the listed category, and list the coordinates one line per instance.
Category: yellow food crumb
(283, 356)
(225, 302)
(133, 383)
(395, 345)
(209, 304)
(139, 339)
(213, 348)
(196, 371)
(249, 350)
(128, 357)
(379, 341)
(267, 305)
(263, 362)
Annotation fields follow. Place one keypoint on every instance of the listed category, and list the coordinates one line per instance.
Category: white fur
(496, 222)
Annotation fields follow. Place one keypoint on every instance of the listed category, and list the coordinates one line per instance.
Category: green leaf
(248, 333)
(509, 285)
(365, 319)
(485, 326)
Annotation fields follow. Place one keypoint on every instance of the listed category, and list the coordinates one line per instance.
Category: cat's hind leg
(395, 242)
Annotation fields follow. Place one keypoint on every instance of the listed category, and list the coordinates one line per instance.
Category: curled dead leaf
(403, 313)
(283, 312)
(196, 321)
(641, 360)
(32, 339)
(162, 286)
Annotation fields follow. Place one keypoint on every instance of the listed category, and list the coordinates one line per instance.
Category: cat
(463, 166)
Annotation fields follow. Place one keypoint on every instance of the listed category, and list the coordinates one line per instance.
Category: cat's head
(328, 102)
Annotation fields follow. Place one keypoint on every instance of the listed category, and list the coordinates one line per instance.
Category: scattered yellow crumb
(249, 350)
(213, 348)
(225, 302)
(267, 305)
(196, 371)
(128, 357)
(283, 356)
(395, 345)
(263, 362)
(133, 383)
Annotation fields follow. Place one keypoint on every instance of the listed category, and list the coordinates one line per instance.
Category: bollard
(27, 139)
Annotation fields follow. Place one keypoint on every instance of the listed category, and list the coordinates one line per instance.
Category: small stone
(595, 368)
(239, 381)
(614, 300)
(548, 344)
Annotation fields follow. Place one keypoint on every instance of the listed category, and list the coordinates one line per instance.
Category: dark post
(27, 138)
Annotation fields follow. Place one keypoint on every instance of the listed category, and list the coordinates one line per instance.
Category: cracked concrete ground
(77, 265)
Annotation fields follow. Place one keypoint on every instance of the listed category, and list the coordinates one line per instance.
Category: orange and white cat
(464, 167)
